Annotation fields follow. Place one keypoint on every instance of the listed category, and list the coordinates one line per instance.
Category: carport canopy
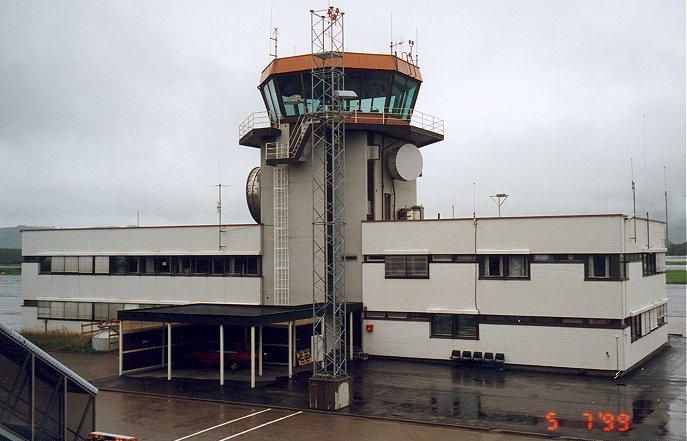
(219, 314)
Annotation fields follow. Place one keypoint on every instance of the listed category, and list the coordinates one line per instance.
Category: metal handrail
(276, 150)
(414, 117)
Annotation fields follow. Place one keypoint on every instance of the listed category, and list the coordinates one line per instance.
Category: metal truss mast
(326, 108)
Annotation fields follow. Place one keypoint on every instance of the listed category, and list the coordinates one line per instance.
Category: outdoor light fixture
(345, 94)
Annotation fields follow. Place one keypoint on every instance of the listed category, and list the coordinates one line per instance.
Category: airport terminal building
(582, 292)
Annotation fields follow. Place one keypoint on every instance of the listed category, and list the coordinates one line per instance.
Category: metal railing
(387, 115)
(257, 120)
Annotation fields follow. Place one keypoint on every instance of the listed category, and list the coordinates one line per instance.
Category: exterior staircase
(279, 153)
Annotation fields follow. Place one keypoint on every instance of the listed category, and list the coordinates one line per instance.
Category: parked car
(235, 357)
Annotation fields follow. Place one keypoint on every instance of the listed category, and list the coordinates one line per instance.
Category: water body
(10, 301)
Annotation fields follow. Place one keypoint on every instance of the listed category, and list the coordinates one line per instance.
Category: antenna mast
(328, 147)
(634, 199)
(499, 199)
(665, 194)
(274, 37)
(220, 228)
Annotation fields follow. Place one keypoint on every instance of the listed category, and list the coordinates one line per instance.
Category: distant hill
(10, 256)
(10, 237)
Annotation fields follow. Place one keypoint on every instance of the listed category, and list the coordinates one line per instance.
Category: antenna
(391, 36)
(138, 216)
(665, 194)
(634, 199)
(474, 201)
(417, 50)
(274, 36)
(499, 199)
(646, 180)
(220, 228)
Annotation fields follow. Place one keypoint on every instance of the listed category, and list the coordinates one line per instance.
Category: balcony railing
(391, 116)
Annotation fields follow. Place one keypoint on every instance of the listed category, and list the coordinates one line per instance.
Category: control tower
(384, 139)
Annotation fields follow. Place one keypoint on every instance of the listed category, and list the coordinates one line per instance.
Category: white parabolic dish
(406, 163)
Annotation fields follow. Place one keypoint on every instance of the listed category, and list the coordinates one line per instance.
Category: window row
(575, 322)
(153, 265)
(85, 311)
(464, 326)
(648, 321)
(612, 267)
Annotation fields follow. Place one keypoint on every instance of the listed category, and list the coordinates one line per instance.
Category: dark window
(163, 265)
(374, 259)
(132, 265)
(598, 267)
(636, 327)
(648, 264)
(45, 265)
(218, 265)
(252, 266)
(375, 314)
(406, 267)
(455, 326)
(371, 88)
(442, 258)
(244, 265)
(493, 266)
(201, 265)
(290, 86)
(117, 265)
(182, 266)
(505, 267)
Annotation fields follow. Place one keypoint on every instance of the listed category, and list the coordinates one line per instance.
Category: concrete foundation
(330, 393)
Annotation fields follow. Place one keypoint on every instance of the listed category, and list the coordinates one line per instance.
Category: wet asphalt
(649, 402)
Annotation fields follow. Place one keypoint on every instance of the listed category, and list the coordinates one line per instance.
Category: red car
(235, 357)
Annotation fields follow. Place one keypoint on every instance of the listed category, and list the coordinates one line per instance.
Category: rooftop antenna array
(328, 147)
(395, 47)
(499, 199)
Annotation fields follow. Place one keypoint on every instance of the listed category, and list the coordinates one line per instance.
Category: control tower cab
(383, 137)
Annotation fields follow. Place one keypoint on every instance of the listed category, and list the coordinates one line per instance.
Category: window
(102, 265)
(517, 266)
(163, 265)
(201, 266)
(648, 264)
(100, 311)
(43, 310)
(544, 258)
(217, 266)
(371, 87)
(660, 263)
(146, 265)
(46, 265)
(397, 315)
(85, 265)
(181, 266)
(406, 267)
(252, 266)
(493, 266)
(465, 258)
(441, 258)
(375, 314)
(598, 267)
(635, 327)
(57, 310)
(505, 267)
(132, 265)
(117, 265)
(85, 311)
(463, 326)
(374, 259)
(290, 85)
(71, 264)
(57, 265)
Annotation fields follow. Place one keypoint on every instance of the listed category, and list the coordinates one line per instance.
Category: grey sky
(110, 107)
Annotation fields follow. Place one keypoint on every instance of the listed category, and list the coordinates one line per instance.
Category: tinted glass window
(370, 86)
(289, 87)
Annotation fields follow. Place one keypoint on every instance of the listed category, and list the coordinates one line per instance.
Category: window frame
(408, 274)
(504, 263)
(455, 320)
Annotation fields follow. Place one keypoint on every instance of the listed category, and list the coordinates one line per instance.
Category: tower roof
(351, 60)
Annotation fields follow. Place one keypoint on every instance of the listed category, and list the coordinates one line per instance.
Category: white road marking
(223, 424)
(261, 425)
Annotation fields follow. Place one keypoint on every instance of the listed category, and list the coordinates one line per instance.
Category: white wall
(200, 240)
(643, 291)
(581, 348)
(657, 231)
(449, 287)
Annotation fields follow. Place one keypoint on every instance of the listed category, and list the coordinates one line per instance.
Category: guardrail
(415, 118)
(276, 151)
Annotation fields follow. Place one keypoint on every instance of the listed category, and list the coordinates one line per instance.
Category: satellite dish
(253, 193)
(405, 163)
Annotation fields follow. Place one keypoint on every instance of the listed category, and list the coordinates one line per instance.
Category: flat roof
(224, 314)
(135, 227)
(551, 216)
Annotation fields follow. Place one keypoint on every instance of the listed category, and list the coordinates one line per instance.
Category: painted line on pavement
(261, 426)
(223, 424)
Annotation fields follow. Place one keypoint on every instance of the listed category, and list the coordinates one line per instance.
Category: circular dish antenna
(405, 163)
(253, 193)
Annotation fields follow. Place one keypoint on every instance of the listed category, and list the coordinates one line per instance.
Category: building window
(46, 265)
(406, 267)
(648, 264)
(71, 264)
(201, 266)
(505, 267)
(181, 266)
(132, 265)
(57, 265)
(117, 265)
(163, 265)
(102, 265)
(598, 267)
(85, 265)
(375, 258)
(146, 265)
(244, 266)
(463, 326)
(217, 266)
(442, 258)
(43, 310)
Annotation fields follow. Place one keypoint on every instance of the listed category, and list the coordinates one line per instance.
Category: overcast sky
(107, 107)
